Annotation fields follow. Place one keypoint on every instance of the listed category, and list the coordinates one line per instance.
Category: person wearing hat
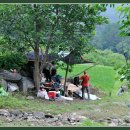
(85, 85)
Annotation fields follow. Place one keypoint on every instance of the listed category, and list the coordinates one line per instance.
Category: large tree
(56, 27)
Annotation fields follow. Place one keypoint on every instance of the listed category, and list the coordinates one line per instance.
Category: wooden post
(66, 78)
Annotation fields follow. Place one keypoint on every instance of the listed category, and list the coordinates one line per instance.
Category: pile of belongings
(3, 92)
(51, 95)
(55, 84)
(42, 93)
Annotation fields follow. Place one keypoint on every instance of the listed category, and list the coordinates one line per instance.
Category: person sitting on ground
(56, 82)
(85, 85)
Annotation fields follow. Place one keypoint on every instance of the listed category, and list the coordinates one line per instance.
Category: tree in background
(125, 31)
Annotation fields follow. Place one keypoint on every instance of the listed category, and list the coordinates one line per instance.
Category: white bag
(12, 87)
(67, 98)
(42, 94)
(43, 80)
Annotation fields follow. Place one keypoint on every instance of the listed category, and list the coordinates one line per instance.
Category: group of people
(51, 76)
(49, 72)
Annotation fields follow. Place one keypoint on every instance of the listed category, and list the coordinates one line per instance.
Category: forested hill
(107, 35)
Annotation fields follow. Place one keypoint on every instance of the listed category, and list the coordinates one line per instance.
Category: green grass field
(102, 77)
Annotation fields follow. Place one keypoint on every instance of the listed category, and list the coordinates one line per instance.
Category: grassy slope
(102, 77)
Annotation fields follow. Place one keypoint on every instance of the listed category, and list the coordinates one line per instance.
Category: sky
(112, 14)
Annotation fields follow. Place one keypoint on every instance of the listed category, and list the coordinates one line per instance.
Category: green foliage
(124, 28)
(1, 86)
(63, 66)
(14, 60)
(91, 123)
(125, 20)
(125, 73)
(57, 26)
(11, 102)
(106, 57)
(108, 37)
(68, 25)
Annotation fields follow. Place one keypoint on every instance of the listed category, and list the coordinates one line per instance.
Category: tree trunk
(46, 53)
(45, 59)
(66, 74)
(36, 67)
(37, 26)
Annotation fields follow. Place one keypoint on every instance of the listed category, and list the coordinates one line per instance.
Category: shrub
(107, 58)
(12, 60)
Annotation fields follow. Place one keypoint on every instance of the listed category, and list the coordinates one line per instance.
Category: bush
(124, 72)
(107, 58)
(12, 60)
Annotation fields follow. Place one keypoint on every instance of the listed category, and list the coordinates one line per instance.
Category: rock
(51, 120)
(127, 119)
(112, 124)
(16, 113)
(9, 119)
(69, 119)
(129, 114)
(74, 114)
(25, 116)
(49, 116)
(59, 115)
(9, 76)
(25, 84)
(73, 123)
(4, 112)
(100, 120)
(65, 122)
(72, 120)
(80, 118)
(116, 121)
(125, 87)
(31, 118)
(30, 98)
(12, 117)
(3, 83)
(39, 115)
(108, 118)
(59, 124)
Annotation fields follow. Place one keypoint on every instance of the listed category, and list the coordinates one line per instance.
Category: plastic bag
(42, 94)
(12, 87)
(3, 92)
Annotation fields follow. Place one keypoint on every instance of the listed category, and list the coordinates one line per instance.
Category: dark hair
(84, 72)
(52, 62)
